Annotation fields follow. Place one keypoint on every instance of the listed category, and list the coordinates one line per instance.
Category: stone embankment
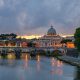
(70, 60)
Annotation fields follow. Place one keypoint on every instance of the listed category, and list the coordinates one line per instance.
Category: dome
(51, 31)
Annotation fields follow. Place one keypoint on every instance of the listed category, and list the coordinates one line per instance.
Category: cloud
(35, 16)
(1, 3)
(22, 18)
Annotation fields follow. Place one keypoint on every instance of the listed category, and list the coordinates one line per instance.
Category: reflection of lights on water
(59, 63)
(38, 62)
(52, 61)
(26, 57)
(38, 66)
(56, 63)
(11, 56)
(59, 71)
(26, 62)
(38, 58)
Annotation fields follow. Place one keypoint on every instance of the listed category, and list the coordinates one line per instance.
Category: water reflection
(52, 62)
(59, 63)
(11, 56)
(59, 71)
(77, 74)
(56, 67)
(38, 63)
(56, 62)
(41, 68)
(38, 58)
(7, 63)
(26, 59)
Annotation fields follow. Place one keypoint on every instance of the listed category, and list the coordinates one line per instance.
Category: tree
(77, 39)
(66, 40)
(6, 36)
(31, 44)
(14, 35)
(3, 36)
(77, 75)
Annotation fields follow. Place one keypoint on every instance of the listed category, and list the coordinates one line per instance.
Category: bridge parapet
(29, 49)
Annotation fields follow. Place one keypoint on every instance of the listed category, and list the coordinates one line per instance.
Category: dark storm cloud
(30, 16)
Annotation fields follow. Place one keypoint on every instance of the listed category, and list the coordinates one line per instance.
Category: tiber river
(42, 68)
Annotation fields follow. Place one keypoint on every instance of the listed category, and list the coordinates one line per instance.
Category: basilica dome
(51, 31)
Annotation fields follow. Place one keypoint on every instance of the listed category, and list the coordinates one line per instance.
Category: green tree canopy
(6, 36)
(77, 38)
(14, 35)
(31, 44)
(66, 40)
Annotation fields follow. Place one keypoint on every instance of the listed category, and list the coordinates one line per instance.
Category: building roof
(51, 31)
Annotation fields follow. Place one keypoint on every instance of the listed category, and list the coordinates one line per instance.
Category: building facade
(51, 39)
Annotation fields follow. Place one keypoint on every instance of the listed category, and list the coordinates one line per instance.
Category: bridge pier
(18, 54)
(3, 54)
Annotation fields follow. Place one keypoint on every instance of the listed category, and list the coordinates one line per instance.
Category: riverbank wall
(70, 60)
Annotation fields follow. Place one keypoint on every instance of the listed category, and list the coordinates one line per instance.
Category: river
(42, 68)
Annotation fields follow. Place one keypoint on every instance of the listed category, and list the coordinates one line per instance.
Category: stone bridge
(29, 49)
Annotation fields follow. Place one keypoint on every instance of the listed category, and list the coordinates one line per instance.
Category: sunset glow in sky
(30, 37)
(37, 36)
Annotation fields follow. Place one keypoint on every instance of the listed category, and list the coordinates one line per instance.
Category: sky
(28, 17)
